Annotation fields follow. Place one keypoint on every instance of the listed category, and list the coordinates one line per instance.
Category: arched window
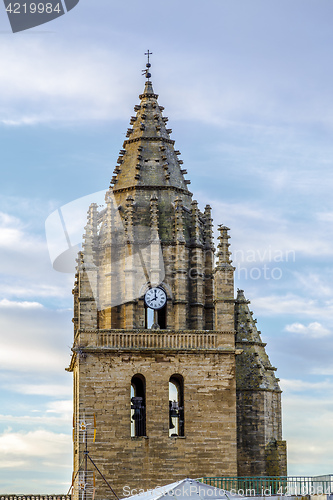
(138, 406)
(159, 317)
(176, 406)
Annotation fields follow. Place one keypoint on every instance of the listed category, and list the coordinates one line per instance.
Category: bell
(171, 425)
(137, 414)
(173, 409)
(137, 406)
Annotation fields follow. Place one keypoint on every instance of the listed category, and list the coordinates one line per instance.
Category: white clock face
(155, 298)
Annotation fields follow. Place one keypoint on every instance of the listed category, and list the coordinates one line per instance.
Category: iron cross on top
(148, 54)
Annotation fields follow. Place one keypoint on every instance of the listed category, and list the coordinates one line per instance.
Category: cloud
(36, 459)
(313, 330)
(296, 385)
(43, 419)
(31, 445)
(54, 390)
(307, 414)
(71, 81)
(13, 236)
(289, 303)
(318, 284)
(270, 234)
(47, 414)
(62, 407)
(11, 304)
(14, 464)
(25, 266)
(310, 456)
(38, 341)
(325, 216)
(55, 89)
(323, 370)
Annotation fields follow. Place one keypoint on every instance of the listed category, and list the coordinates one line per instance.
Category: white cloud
(44, 420)
(310, 456)
(39, 339)
(270, 233)
(54, 390)
(307, 415)
(24, 288)
(34, 444)
(312, 330)
(296, 385)
(5, 303)
(72, 82)
(26, 266)
(13, 235)
(13, 464)
(289, 303)
(318, 284)
(53, 88)
(31, 358)
(322, 370)
(62, 407)
(325, 216)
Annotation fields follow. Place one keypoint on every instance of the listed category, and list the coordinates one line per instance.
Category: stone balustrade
(158, 340)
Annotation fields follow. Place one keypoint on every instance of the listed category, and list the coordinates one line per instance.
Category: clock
(155, 298)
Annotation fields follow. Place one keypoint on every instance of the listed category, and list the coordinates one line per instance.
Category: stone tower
(261, 450)
(160, 382)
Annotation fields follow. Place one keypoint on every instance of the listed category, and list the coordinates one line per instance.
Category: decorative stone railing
(158, 340)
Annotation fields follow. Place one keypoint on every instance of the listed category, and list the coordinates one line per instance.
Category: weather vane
(145, 72)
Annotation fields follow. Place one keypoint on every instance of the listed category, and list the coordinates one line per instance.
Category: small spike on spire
(209, 228)
(241, 297)
(196, 224)
(129, 216)
(90, 235)
(179, 223)
(154, 211)
(223, 253)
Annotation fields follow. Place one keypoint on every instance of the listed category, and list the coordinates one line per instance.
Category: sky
(247, 86)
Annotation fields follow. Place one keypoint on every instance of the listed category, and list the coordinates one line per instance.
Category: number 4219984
(33, 8)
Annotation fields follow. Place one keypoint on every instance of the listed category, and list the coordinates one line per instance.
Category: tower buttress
(88, 275)
(156, 259)
(260, 448)
(224, 284)
(180, 285)
(209, 269)
(196, 273)
(130, 271)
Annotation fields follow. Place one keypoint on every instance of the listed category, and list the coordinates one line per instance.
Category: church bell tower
(154, 354)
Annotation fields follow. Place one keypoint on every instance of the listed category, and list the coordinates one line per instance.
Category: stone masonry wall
(260, 449)
(209, 445)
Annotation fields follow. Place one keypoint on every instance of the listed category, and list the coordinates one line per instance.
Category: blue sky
(247, 86)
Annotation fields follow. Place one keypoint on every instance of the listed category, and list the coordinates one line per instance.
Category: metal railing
(273, 485)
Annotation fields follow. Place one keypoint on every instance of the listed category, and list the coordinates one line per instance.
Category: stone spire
(254, 362)
(148, 157)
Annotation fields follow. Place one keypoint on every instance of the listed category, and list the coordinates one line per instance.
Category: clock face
(155, 298)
